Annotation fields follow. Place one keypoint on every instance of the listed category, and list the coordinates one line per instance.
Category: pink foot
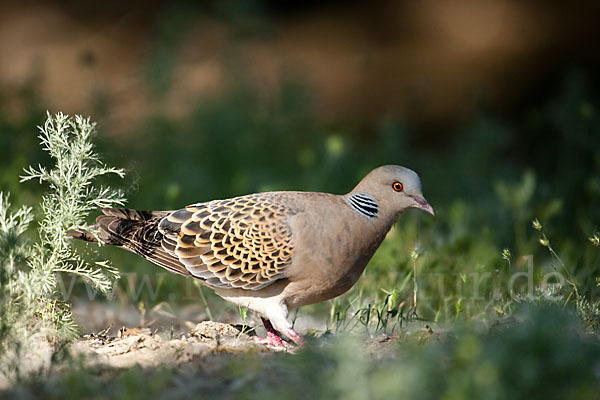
(273, 339)
(295, 336)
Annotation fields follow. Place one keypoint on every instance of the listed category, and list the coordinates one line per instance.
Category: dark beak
(422, 204)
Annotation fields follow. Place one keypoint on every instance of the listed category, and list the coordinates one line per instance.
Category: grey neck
(363, 204)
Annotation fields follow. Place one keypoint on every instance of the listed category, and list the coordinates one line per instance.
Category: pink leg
(295, 336)
(287, 331)
(272, 338)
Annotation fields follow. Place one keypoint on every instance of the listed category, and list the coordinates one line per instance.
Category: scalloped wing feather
(244, 242)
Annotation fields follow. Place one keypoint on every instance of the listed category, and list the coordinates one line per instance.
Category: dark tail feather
(83, 235)
(136, 215)
(136, 231)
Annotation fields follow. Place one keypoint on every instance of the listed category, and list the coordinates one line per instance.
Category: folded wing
(245, 242)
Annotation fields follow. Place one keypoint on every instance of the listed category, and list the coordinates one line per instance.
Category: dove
(274, 251)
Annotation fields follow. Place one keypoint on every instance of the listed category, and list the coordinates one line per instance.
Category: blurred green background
(494, 104)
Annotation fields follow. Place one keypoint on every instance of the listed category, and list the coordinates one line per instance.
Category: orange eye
(397, 186)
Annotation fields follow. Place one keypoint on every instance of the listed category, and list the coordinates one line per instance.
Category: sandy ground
(151, 350)
(202, 349)
(205, 342)
(116, 338)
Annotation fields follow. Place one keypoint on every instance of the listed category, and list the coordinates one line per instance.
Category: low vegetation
(30, 310)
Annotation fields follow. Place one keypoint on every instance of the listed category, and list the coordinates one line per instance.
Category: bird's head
(394, 188)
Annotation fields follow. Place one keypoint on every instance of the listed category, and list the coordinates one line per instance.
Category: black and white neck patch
(364, 204)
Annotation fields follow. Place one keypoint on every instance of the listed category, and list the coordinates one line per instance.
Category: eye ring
(397, 186)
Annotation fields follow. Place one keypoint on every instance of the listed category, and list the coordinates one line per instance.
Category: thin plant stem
(208, 312)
